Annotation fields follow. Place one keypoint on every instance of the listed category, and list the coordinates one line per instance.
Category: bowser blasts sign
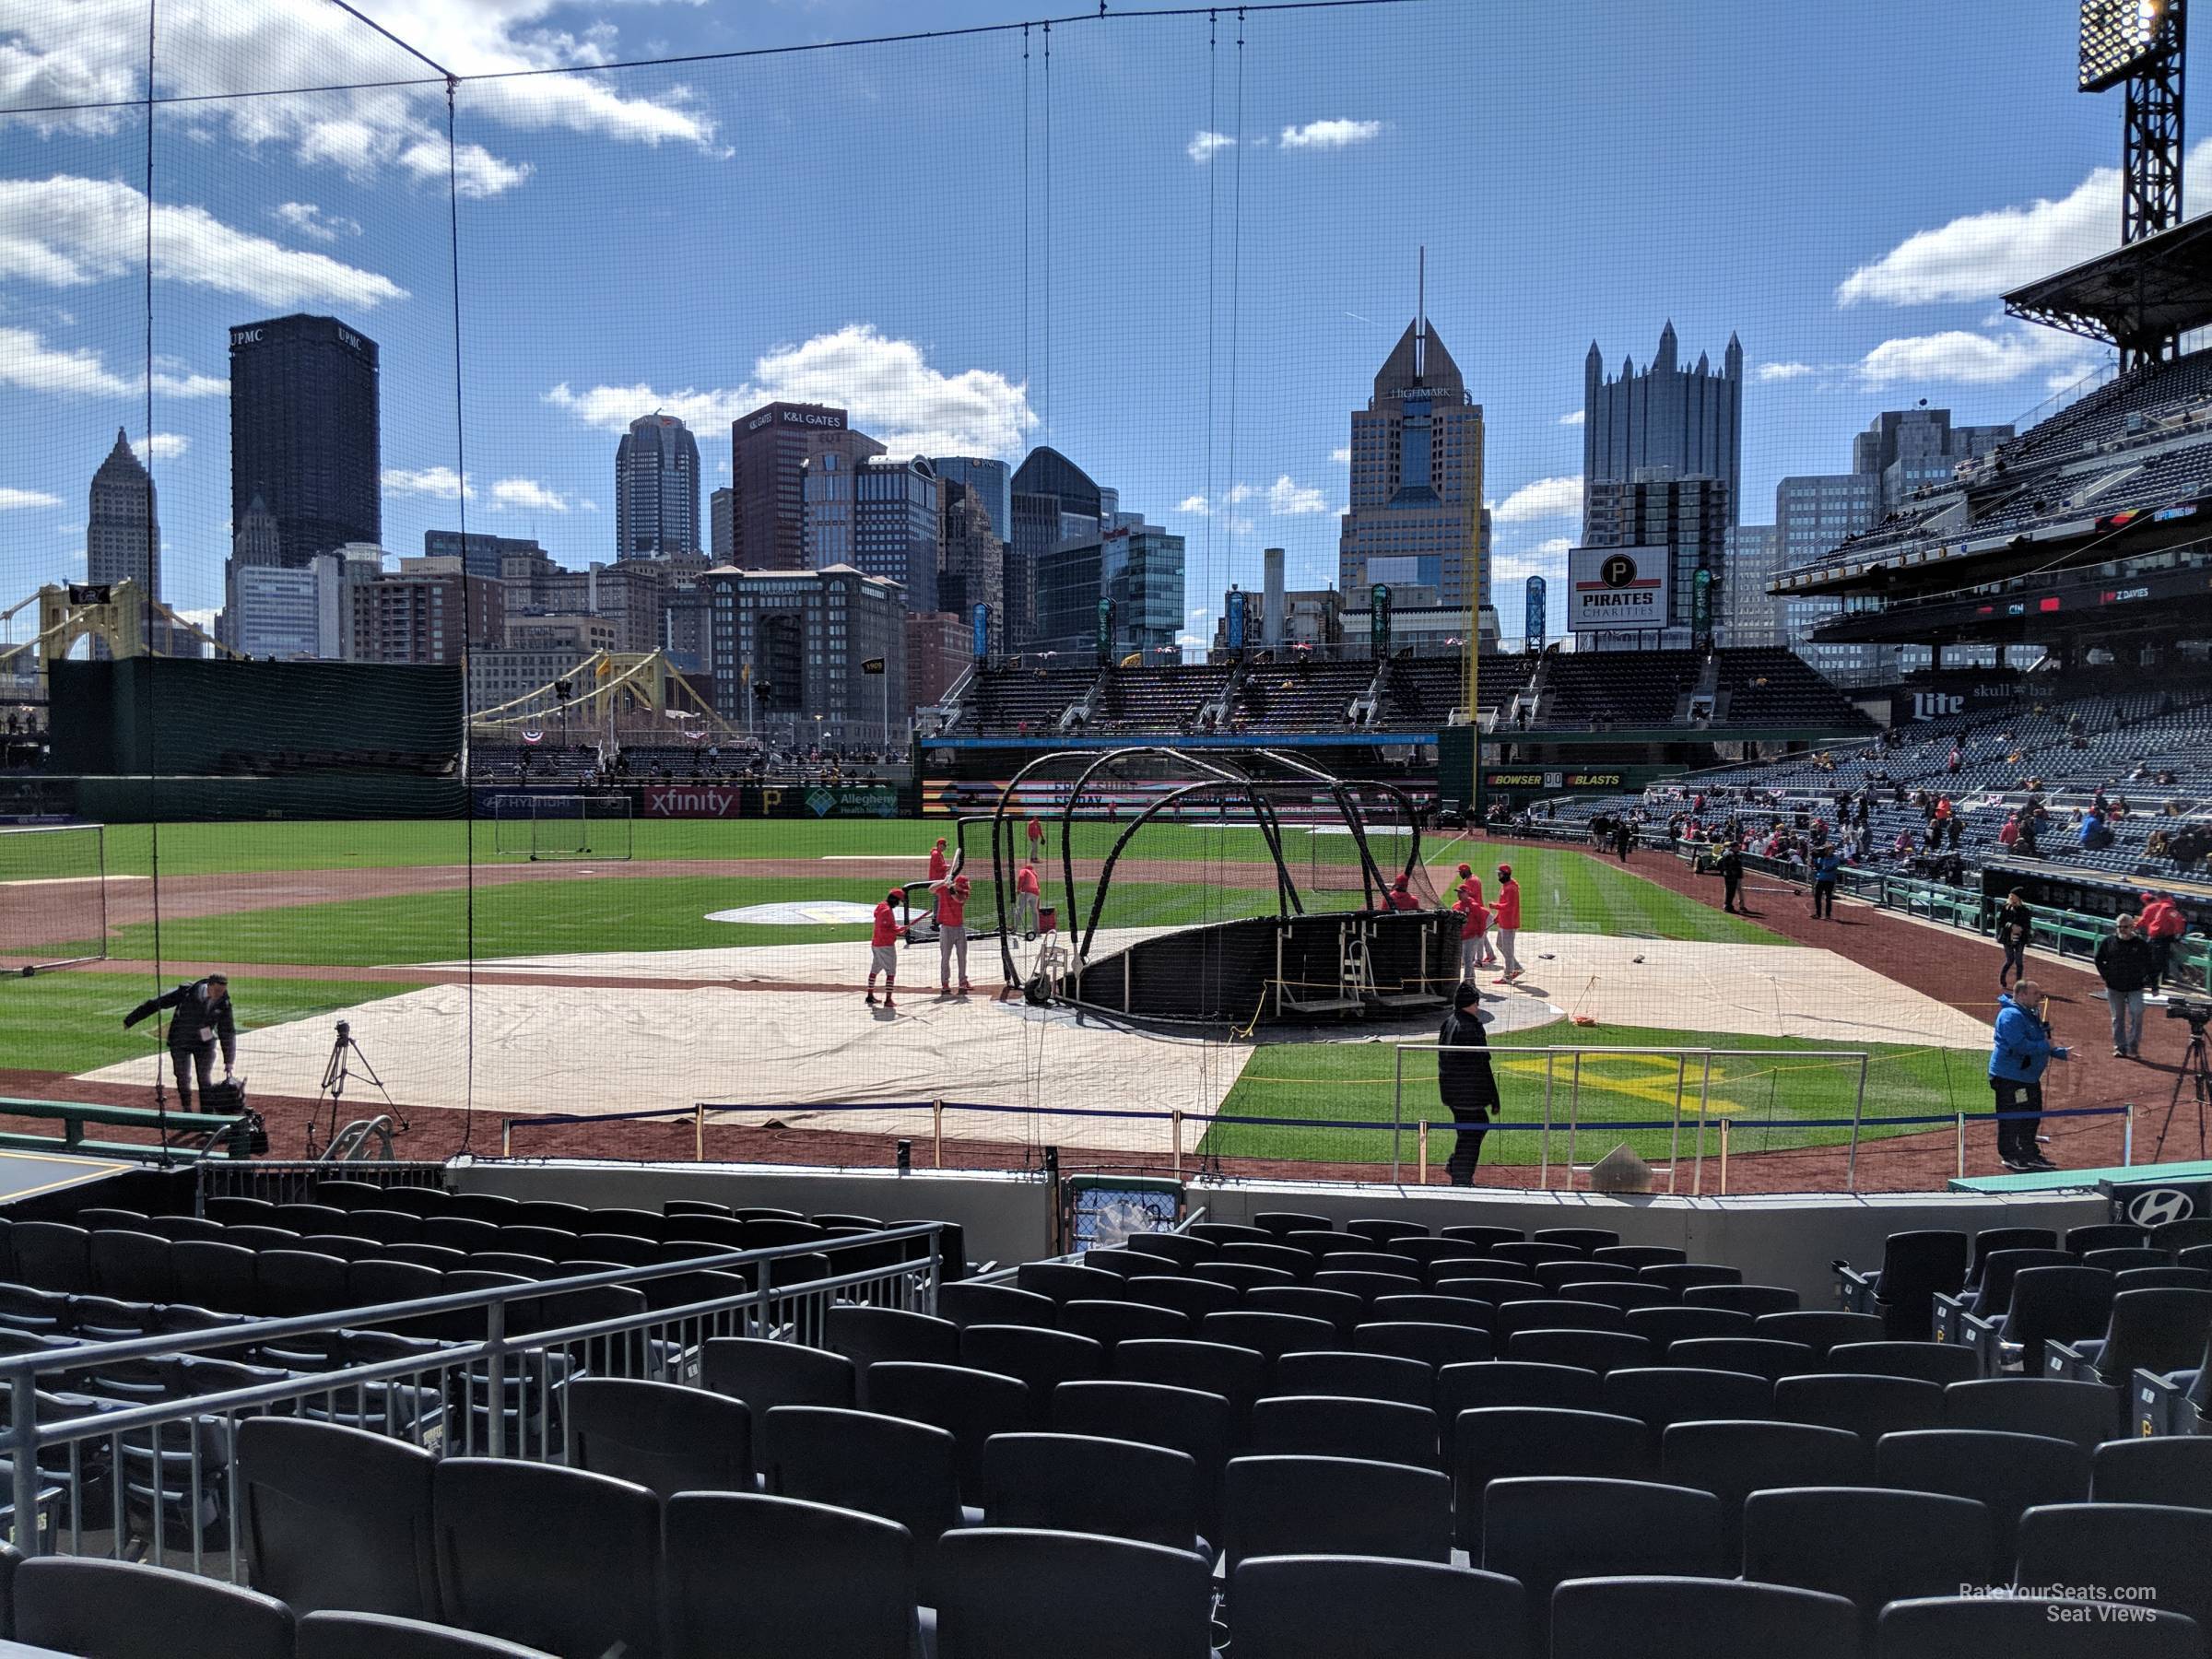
(1610, 588)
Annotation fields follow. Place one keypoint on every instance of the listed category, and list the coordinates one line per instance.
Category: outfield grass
(73, 1021)
(1354, 1082)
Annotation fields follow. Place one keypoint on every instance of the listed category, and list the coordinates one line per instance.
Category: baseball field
(724, 962)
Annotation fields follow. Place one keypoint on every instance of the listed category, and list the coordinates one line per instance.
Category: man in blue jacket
(1828, 864)
(2017, 1058)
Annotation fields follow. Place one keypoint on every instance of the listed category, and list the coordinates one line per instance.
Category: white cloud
(30, 364)
(310, 221)
(66, 231)
(1198, 506)
(887, 386)
(527, 493)
(441, 481)
(1979, 255)
(1202, 146)
(1194, 504)
(1786, 371)
(1510, 571)
(1236, 492)
(1572, 417)
(1195, 612)
(1286, 496)
(1960, 357)
(1343, 457)
(162, 446)
(88, 51)
(1546, 498)
(1190, 642)
(1330, 135)
(12, 498)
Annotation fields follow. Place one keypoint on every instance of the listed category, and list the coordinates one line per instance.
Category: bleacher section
(1279, 1439)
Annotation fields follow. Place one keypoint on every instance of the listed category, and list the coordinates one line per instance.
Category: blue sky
(1848, 188)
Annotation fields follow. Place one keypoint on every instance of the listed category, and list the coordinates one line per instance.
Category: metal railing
(1684, 1058)
(166, 1468)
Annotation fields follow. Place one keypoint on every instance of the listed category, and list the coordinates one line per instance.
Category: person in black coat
(1731, 865)
(201, 1019)
(1463, 1082)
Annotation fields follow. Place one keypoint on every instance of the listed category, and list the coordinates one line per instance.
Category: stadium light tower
(2141, 42)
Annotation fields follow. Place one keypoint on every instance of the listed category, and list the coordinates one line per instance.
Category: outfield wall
(1008, 1218)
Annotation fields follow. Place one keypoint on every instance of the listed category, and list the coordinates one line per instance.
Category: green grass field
(73, 1021)
(1353, 1082)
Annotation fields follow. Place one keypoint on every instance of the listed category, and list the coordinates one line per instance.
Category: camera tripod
(337, 1071)
(2196, 1072)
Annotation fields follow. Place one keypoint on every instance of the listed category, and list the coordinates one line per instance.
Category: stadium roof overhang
(2084, 605)
(2135, 297)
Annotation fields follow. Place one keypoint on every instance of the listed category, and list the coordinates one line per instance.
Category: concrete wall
(1008, 1218)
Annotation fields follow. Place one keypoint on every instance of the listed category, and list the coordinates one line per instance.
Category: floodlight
(2119, 37)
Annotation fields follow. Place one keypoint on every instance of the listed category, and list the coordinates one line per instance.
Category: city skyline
(1864, 298)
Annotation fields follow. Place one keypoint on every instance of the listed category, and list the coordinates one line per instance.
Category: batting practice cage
(1204, 890)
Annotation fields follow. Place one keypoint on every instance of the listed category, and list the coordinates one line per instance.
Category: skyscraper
(122, 531)
(1416, 514)
(656, 491)
(303, 433)
(1053, 500)
(768, 450)
(973, 565)
(1688, 517)
(722, 525)
(1688, 421)
(993, 482)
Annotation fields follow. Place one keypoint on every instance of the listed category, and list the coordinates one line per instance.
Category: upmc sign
(1610, 588)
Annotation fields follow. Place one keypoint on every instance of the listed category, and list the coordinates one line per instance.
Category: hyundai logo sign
(2155, 1206)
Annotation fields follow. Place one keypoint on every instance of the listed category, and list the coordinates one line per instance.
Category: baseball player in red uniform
(883, 949)
(1026, 893)
(936, 861)
(1474, 937)
(952, 931)
(1470, 884)
(1508, 917)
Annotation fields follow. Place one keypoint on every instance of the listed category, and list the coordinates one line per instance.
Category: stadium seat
(131, 1266)
(1339, 1308)
(1090, 1483)
(1553, 1314)
(1107, 1322)
(1819, 1331)
(1658, 1395)
(694, 1206)
(1385, 1232)
(1436, 1346)
(54, 1255)
(1341, 1426)
(1193, 1297)
(1495, 1442)
(2007, 1474)
(117, 1610)
(1364, 1283)
(1667, 1326)
(1991, 1239)
(1733, 1458)
(1224, 1232)
(1929, 1361)
(2153, 1329)
(1697, 1619)
(1125, 1264)
(2127, 1256)
(1289, 1505)
(1758, 1300)
(767, 1374)
(383, 1636)
(1322, 1242)
(1982, 1626)
(1760, 1356)
(2081, 1241)
(752, 1576)
(1916, 1268)
(1272, 1334)
(1588, 1239)
(2085, 1413)
(1063, 1281)
(1282, 1257)
(903, 1471)
(1201, 1426)
(971, 1406)
(384, 1227)
(1639, 1255)
(966, 1304)
(2161, 1279)
(1686, 1277)
(1040, 1358)
(337, 1518)
(1494, 1289)
(1429, 1251)
(1870, 1406)
(1242, 1276)
(1628, 1297)
(227, 1210)
(1325, 1606)
(1180, 1248)
(661, 1437)
(1552, 1276)
(867, 1335)
(1237, 1374)
(1513, 1382)
(177, 1229)
(2174, 1237)
(1009, 1592)
(346, 1247)
(551, 1557)
(1871, 1544)
(1427, 1308)
(1356, 1376)
(1374, 1259)
(1485, 1238)
(1542, 1529)
(1992, 1291)
(1600, 1351)
(2172, 1470)
(2146, 1554)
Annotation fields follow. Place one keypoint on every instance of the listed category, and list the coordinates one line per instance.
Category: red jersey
(1036, 830)
(952, 908)
(1470, 890)
(1025, 881)
(1401, 899)
(1509, 904)
(1475, 919)
(886, 925)
(936, 863)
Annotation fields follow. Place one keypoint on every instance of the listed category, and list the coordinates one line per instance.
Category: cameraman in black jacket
(201, 1019)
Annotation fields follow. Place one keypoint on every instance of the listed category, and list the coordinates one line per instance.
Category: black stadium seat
(767, 1374)
(1733, 1458)
(1092, 1484)
(1325, 1606)
(1009, 1592)
(115, 1610)
(752, 1576)
(2005, 1473)
(1542, 1529)
(1356, 1376)
(971, 1406)
(381, 1636)
(338, 1518)
(904, 1472)
(2171, 1469)
(1698, 1617)
(661, 1437)
(1274, 1506)
(1338, 1426)
(1982, 1626)
(1871, 1544)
